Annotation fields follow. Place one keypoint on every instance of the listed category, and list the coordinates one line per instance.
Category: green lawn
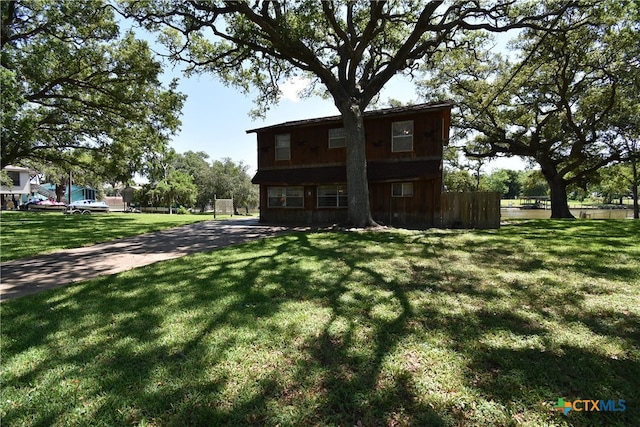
(456, 328)
(24, 234)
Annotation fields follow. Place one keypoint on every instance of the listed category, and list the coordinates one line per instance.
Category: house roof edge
(430, 106)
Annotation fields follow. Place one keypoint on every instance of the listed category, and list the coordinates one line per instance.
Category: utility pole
(165, 166)
(70, 184)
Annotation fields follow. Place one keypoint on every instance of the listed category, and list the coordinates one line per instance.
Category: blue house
(77, 192)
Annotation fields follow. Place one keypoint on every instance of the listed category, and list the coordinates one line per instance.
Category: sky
(215, 117)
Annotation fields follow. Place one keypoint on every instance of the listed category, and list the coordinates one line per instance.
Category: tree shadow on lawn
(296, 330)
(548, 367)
(117, 326)
(359, 389)
(335, 381)
(592, 248)
(533, 378)
(514, 359)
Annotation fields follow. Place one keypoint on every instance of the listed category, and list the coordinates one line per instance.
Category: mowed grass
(25, 234)
(452, 328)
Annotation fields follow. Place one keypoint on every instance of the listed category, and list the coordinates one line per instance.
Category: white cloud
(291, 88)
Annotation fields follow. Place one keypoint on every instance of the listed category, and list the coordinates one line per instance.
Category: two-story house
(302, 167)
(12, 195)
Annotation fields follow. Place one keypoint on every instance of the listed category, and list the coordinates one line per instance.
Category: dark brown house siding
(405, 186)
(420, 210)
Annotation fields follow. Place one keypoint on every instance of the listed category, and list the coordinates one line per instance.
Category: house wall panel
(422, 209)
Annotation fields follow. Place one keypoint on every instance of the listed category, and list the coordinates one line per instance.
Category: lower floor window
(332, 196)
(402, 189)
(285, 197)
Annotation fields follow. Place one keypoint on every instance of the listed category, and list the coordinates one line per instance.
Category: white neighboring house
(21, 186)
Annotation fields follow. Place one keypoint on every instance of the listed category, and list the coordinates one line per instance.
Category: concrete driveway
(26, 276)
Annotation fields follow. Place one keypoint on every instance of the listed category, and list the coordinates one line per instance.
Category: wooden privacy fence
(470, 210)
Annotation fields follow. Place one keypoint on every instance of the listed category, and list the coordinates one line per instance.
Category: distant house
(78, 192)
(21, 185)
(302, 167)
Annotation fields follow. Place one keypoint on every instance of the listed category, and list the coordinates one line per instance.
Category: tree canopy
(559, 103)
(349, 50)
(219, 179)
(72, 83)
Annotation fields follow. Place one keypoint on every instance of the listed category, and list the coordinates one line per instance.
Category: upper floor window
(402, 189)
(332, 196)
(283, 147)
(337, 138)
(402, 136)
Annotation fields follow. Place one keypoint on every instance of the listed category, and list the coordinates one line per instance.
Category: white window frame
(283, 146)
(340, 196)
(405, 189)
(401, 132)
(337, 138)
(284, 196)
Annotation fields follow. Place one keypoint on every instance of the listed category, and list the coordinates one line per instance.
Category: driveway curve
(30, 275)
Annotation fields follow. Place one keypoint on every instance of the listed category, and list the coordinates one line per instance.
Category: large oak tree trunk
(559, 203)
(558, 187)
(357, 184)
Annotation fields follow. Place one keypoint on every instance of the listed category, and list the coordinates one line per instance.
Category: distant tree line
(611, 185)
(190, 180)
